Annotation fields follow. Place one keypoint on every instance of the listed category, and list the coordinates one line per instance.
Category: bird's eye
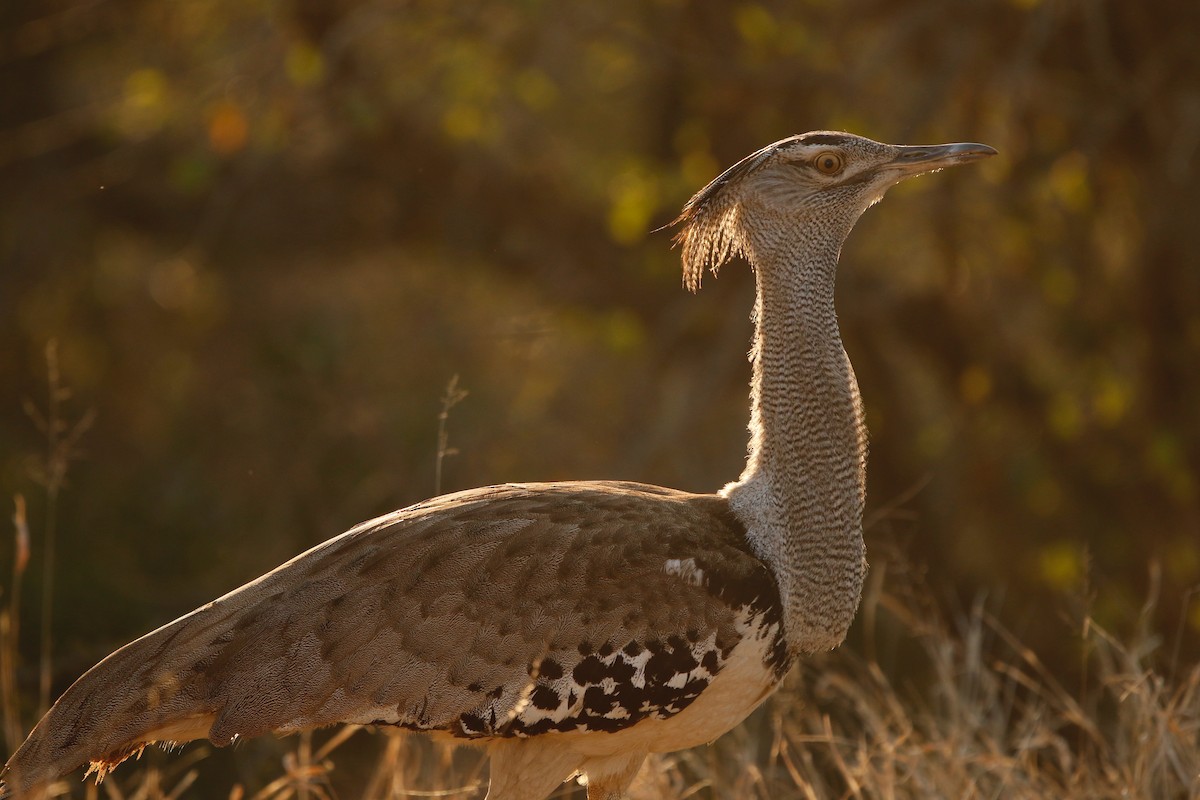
(828, 163)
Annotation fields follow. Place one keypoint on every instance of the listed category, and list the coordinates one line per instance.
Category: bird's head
(823, 178)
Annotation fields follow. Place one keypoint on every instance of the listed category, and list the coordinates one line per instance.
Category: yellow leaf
(304, 64)
(1060, 564)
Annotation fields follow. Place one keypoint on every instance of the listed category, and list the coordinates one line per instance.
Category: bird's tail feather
(151, 690)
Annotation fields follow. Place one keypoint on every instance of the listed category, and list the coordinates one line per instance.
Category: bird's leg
(609, 779)
(528, 769)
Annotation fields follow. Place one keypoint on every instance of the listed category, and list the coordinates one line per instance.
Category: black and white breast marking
(607, 690)
(610, 689)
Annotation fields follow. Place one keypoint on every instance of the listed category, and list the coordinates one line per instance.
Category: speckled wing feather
(507, 611)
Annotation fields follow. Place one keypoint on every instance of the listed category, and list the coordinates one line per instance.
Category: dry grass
(982, 717)
(978, 715)
(990, 721)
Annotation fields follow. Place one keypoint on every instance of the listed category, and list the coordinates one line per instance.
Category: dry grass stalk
(10, 630)
(62, 438)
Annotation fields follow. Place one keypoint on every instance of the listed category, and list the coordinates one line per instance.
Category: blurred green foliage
(266, 234)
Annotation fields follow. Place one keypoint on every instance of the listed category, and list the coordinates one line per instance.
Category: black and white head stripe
(736, 172)
(754, 161)
(709, 231)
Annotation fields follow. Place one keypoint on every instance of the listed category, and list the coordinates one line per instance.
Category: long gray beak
(918, 159)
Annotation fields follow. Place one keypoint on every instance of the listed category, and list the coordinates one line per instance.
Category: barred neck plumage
(788, 207)
(802, 492)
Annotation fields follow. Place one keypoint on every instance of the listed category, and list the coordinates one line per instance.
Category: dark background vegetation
(266, 234)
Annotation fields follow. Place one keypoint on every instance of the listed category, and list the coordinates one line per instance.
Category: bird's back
(508, 611)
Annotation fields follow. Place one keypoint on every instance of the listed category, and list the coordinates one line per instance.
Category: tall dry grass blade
(10, 630)
(385, 768)
(112, 790)
(338, 738)
(186, 781)
(304, 762)
(452, 397)
(61, 442)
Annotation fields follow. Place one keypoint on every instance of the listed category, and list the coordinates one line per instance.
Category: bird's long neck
(803, 489)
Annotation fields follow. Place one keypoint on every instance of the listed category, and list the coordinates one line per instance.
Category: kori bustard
(568, 628)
